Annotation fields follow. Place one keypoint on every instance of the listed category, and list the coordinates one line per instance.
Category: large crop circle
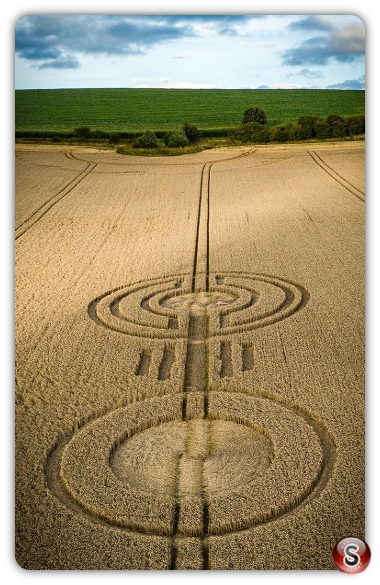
(125, 467)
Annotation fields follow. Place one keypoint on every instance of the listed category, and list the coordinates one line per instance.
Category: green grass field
(62, 110)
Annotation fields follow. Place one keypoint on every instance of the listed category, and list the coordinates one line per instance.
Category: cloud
(146, 34)
(212, 18)
(47, 38)
(60, 63)
(346, 44)
(312, 22)
(308, 74)
(358, 83)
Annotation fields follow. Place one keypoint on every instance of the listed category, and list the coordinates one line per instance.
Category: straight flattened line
(334, 171)
(196, 361)
(248, 361)
(195, 261)
(39, 213)
(335, 176)
(226, 369)
(208, 231)
(167, 361)
(55, 194)
(144, 363)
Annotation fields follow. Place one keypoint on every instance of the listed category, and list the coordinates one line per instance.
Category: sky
(179, 51)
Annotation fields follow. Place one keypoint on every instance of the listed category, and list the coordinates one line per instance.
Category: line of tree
(255, 129)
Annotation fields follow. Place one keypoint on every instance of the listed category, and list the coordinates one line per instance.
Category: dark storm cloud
(46, 38)
(36, 48)
(343, 45)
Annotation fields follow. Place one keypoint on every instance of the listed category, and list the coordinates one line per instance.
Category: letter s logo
(351, 559)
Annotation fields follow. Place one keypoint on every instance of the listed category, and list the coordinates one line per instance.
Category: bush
(355, 125)
(176, 139)
(322, 129)
(294, 132)
(192, 132)
(83, 132)
(305, 132)
(99, 134)
(147, 140)
(254, 114)
(279, 133)
(333, 118)
(339, 129)
(250, 131)
(308, 124)
(215, 132)
(263, 135)
(235, 133)
(114, 138)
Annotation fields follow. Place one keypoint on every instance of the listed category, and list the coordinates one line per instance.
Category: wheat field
(189, 357)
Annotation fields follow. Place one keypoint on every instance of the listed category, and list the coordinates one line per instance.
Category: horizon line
(194, 88)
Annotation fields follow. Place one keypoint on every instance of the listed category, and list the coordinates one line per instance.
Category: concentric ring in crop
(143, 497)
(153, 308)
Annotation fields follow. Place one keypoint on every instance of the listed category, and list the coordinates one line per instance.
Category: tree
(147, 140)
(322, 129)
(114, 138)
(280, 133)
(254, 132)
(254, 114)
(355, 124)
(176, 139)
(339, 129)
(308, 124)
(191, 131)
(83, 132)
(333, 118)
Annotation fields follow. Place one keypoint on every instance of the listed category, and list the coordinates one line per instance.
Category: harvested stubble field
(190, 357)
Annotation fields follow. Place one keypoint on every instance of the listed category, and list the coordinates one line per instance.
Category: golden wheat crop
(190, 357)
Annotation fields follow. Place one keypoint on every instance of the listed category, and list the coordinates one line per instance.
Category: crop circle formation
(123, 467)
(161, 308)
(237, 461)
(182, 375)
